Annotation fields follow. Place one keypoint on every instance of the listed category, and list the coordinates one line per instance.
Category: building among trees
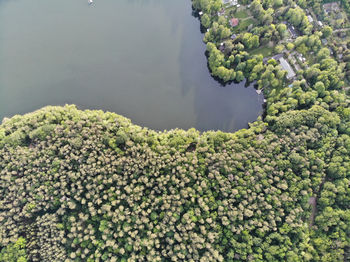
(285, 65)
(234, 22)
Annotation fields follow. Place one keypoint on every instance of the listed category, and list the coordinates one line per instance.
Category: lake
(143, 59)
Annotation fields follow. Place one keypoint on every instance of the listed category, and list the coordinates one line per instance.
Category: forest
(92, 186)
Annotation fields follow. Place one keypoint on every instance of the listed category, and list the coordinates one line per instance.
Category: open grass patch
(243, 25)
(264, 50)
(241, 14)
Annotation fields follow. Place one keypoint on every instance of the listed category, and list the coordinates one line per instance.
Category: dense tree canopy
(88, 185)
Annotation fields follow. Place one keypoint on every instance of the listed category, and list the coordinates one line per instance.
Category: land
(91, 186)
(248, 31)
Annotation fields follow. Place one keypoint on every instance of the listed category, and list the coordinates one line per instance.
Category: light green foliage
(290, 46)
(279, 48)
(14, 252)
(327, 31)
(298, 18)
(250, 41)
(206, 21)
(277, 3)
(282, 29)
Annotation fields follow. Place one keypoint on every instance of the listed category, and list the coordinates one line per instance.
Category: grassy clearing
(241, 14)
(243, 25)
(264, 50)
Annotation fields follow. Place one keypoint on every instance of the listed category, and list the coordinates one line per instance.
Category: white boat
(90, 2)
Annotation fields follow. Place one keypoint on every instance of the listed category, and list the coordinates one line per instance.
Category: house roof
(292, 31)
(285, 65)
(234, 22)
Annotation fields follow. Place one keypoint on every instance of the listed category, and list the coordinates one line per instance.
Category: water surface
(143, 59)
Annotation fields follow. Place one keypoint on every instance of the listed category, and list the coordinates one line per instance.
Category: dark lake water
(143, 59)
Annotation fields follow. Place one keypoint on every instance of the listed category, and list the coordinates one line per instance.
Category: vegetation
(14, 252)
(236, 53)
(88, 185)
(241, 14)
(91, 186)
(264, 51)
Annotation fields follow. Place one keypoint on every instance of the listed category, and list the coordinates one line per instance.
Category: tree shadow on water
(217, 105)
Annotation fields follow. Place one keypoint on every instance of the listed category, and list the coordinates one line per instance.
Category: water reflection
(228, 107)
(142, 59)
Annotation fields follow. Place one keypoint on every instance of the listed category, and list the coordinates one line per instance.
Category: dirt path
(313, 204)
(246, 18)
(341, 30)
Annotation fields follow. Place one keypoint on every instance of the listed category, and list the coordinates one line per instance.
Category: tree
(323, 53)
(205, 19)
(239, 76)
(224, 32)
(327, 31)
(255, 41)
(320, 88)
(290, 46)
(225, 74)
(282, 30)
(277, 3)
(279, 48)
